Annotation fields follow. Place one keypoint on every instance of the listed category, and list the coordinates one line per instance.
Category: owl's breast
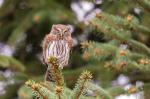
(58, 49)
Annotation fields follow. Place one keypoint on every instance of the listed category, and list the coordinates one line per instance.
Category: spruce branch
(108, 30)
(115, 91)
(40, 91)
(11, 63)
(53, 66)
(115, 58)
(123, 36)
(99, 51)
(55, 71)
(128, 23)
(81, 85)
(143, 65)
(140, 46)
(102, 94)
(58, 91)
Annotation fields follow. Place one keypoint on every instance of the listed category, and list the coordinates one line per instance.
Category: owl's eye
(66, 30)
(66, 33)
(57, 31)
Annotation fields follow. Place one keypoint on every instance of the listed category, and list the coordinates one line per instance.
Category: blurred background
(24, 23)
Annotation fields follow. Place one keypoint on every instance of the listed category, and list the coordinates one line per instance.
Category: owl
(58, 44)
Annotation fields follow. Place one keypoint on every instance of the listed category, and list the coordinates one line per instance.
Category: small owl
(58, 44)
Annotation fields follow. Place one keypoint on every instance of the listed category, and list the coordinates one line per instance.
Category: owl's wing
(48, 75)
(70, 42)
(48, 38)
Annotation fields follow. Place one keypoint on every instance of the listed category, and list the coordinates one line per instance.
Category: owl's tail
(48, 75)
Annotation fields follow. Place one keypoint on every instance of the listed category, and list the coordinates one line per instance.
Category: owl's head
(61, 31)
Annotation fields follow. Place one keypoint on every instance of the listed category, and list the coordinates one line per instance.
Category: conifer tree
(114, 41)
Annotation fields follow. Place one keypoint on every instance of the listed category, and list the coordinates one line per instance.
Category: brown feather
(57, 44)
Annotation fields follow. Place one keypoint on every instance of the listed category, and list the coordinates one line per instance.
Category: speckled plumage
(57, 44)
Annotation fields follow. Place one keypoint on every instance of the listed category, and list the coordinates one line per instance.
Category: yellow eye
(66, 33)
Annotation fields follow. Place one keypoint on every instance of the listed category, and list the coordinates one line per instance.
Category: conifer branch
(143, 65)
(120, 59)
(115, 91)
(56, 71)
(39, 90)
(140, 46)
(81, 85)
(120, 22)
(103, 94)
(57, 75)
(110, 31)
(99, 51)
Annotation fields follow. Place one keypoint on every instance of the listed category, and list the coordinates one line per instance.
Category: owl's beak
(61, 36)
